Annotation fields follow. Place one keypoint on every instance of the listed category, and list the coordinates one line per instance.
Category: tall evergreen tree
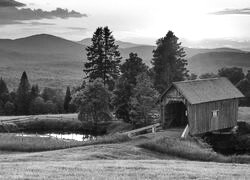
(34, 92)
(132, 67)
(9, 108)
(23, 95)
(67, 100)
(3, 87)
(4, 92)
(168, 62)
(103, 57)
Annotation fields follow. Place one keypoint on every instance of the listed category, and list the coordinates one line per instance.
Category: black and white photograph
(124, 89)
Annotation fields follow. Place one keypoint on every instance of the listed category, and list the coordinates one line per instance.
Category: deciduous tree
(93, 102)
(132, 67)
(143, 101)
(234, 74)
(208, 75)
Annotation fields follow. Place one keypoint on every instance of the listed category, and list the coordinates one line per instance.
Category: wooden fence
(152, 127)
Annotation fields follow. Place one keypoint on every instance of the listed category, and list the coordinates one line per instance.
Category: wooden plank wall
(200, 116)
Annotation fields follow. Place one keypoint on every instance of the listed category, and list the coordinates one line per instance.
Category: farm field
(244, 114)
(118, 161)
(108, 159)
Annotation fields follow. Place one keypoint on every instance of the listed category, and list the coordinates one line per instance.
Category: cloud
(243, 11)
(10, 3)
(35, 23)
(10, 14)
(77, 28)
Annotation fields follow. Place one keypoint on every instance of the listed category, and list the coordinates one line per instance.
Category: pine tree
(9, 108)
(23, 95)
(3, 87)
(132, 67)
(67, 100)
(168, 62)
(34, 92)
(4, 92)
(103, 57)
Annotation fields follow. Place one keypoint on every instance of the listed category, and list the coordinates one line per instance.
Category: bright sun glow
(142, 21)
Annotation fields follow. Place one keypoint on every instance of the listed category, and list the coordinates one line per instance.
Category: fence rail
(152, 127)
(33, 117)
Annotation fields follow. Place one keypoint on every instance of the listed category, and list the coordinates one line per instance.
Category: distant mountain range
(217, 43)
(87, 42)
(56, 62)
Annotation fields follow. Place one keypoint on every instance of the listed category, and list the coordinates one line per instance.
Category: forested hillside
(56, 62)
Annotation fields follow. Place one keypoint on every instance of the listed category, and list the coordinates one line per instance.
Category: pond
(72, 136)
(229, 144)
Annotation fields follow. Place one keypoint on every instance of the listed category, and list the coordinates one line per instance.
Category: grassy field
(112, 161)
(191, 150)
(122, 169)
(122, 159)
(244, 114)
(11, 142)
(152, 156)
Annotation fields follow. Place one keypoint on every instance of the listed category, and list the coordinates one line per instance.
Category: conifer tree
(4, 92)
(9, 108)
(168, 62)
(67, 100)
(103, 58)
(34, 92)
(23, 95)
(3, 87)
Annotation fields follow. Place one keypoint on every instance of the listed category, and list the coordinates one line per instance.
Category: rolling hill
(214, 60)
(87, 42)
(56, 62)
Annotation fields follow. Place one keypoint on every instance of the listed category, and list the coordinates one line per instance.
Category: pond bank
(231, 144)
(63, 126)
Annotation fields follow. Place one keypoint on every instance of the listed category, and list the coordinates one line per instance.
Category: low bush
(50, 125)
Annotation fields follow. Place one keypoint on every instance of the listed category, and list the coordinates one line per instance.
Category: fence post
(153, 129)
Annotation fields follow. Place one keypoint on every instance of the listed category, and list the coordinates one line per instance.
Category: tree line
(114, 90)
(237, 76)
(29, 100)
(127, 91)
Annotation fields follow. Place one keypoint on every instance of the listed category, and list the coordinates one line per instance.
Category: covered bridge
(204, 105)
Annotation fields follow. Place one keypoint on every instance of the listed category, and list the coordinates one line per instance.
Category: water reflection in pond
(72, 136)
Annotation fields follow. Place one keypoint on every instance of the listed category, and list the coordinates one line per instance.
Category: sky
(138, 21)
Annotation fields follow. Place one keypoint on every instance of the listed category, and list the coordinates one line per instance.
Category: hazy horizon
(141, 22)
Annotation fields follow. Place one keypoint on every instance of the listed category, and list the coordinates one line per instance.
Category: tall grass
(11, 142)
(191, 150)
